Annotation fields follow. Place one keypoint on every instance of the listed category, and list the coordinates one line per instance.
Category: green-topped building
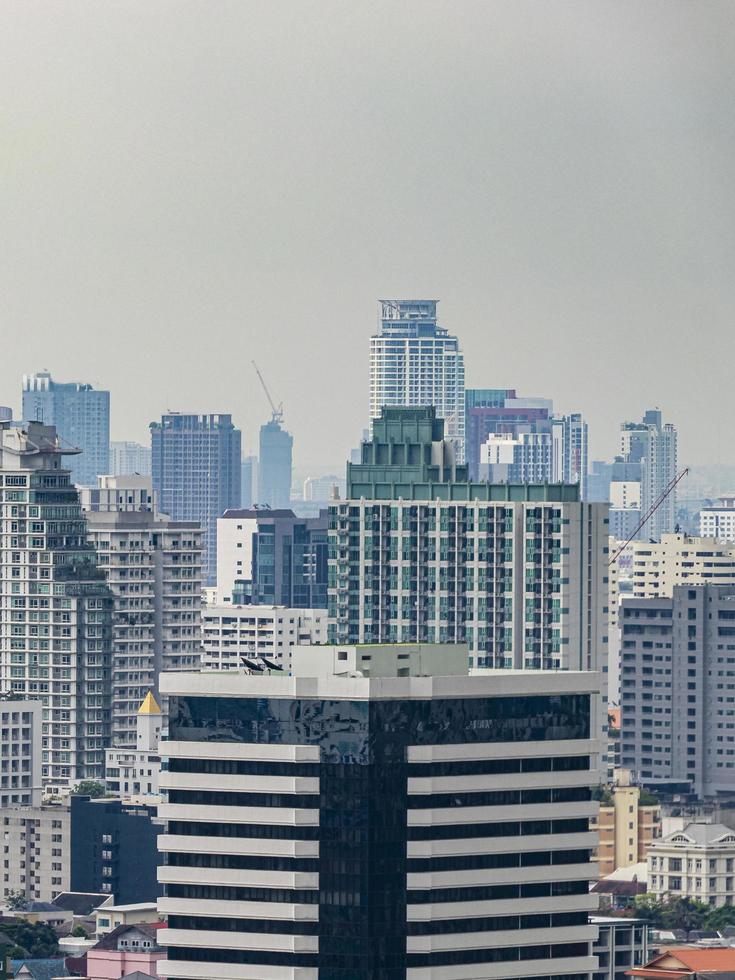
(418, 553)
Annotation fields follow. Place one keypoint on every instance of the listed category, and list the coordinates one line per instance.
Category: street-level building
(20, 752)
(55, 605)
(697, 862)
(410, 826)
(232, 635)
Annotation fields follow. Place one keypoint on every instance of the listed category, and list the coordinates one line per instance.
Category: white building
(154, 569)
(523, 458)
(132, 773)
(231, 634)
(454, 808)
(718, 521)
(323, 488)
(55, 606)
(680, 560)
(130, 457)
(20, 752)
(697, 862)
(37, 844)
(653, 444)
(414, 361)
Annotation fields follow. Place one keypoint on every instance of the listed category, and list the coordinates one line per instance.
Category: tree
(719, 918)
(16, 901)
(91, 788)
(31, 939)
(79, 932)
(672, 912)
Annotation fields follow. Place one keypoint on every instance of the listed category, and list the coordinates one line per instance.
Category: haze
(187, 186)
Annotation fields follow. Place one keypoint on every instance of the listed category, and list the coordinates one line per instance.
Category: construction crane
(277, 410)
(668, 489)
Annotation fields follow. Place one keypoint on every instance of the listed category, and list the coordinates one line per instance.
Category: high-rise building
(275, 465)
(248, 481)
(20, 752)
(154, 569)
(420, 554)
(653, 444)
(234, 635)
(414, 361)
(81, 415)
(196, 473)
(677, 687)
(575, 451)
(127, 458)
(41, 834)
(678, 559)
(718, 520)
(495, 411)
(272, 558)
(56, 627)
(523, 458)
(323, 488)
(392, 825)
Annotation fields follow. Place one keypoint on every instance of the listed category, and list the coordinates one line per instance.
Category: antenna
(277, 411)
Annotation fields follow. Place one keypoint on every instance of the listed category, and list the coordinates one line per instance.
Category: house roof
(79, 903)
(613, 886)
(149, 929)
(40, 969)
(138, 976)
(701, 833)
(684, 961)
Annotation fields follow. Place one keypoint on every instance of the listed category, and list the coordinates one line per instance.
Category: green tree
(672, 912)
(31, 939)
(16, 901)
(721, 917)
(89, 787)
(79, 932)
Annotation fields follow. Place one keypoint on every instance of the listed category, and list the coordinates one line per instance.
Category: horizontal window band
(491, 767)
(504, 954)
(508, 828)
(470, 862)
(481, 893)
(186, 828)
(522, 797)
(251, 862)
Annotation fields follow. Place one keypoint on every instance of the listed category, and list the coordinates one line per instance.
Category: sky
(188, 186)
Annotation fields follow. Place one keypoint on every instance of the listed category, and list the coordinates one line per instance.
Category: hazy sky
(187, 186)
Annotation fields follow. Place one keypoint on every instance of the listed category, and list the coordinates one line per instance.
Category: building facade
(234, 634)
(20, 752)
(132, 772)
(653, 445)
(154, 570)
(621, 944)
(81, 416)
(678, 559)
(379, 827)
(415, 362)
(678, 688)
(196, 462)
(275, 466)
(272, 557)
(523, 458)
(56, 626)
(697, 862)
(626, 828)
(420, 554)
(36, 841)
(127, 458)
(718, 520)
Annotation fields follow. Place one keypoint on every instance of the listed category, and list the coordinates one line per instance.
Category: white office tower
(653, 445)
(415, 362)
(56, 626)
(380, 822)
(233, 635)
(154, 569)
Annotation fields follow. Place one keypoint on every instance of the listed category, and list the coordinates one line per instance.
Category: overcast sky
(187, 186)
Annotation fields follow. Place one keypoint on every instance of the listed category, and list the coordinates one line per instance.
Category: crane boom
(668, 489)
(277, 411)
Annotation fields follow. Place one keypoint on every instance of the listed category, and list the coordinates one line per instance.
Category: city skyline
(566, 272)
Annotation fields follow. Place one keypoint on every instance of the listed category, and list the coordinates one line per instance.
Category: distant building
(523, 458)
(20, 752)
(680, 560)
(248, 481)
(81, 416)
(677, 690)
(697, 862)
(154, 570)
(196, 473)
(272, 558)
(718, 520)
(494, 411)
(416, 362)
(42, 835)
(132, 772)
(378, 826)
(275, 466)
(56, 637)
(653, 444)
(129, 457)
(232, 634)
(626, 828)
(323, 488)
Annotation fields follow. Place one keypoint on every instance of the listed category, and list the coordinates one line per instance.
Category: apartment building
(697, 862)
(36, 843)
(678, 559)
(20, 752)
(232, 635)
(626, 827)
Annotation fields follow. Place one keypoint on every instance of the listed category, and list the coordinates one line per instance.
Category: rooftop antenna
(277, 410)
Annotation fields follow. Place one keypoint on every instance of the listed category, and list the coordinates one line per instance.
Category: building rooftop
(149, 705)
(687, 961)
(701, 834)
(80, 903)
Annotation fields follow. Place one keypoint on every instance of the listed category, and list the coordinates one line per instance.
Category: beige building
(36, 847)
(626, 827)
(697, 862)
(680, 560)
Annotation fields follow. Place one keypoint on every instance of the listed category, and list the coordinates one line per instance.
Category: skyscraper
(56, 625)
(275, 465)
(196, 473)
(416, 362)
(653, 444)
(248, 481)
(127, 458)
(491, 411)
(81, 416)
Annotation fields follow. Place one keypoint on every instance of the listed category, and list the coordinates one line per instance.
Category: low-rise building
(130, 951)
(132, 773)
(621, 944)
(697, 862)
(231, 634)
(109, 917)
(626, 826)
(20, 752)
(689, 963)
